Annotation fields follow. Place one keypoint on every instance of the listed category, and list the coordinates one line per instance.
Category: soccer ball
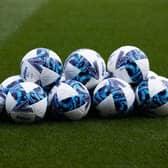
(85, 66)
(129, 63)
(26, 102)
(113, 97)
(7, 84)
(152, 96)
(70, 99)
(42, 66)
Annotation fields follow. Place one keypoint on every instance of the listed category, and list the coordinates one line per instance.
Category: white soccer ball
(113, 96)
(71, 99)
(26, 102)
(129, 63)
(42, 66)
(152, 96)
(85, 66)
(5, 86)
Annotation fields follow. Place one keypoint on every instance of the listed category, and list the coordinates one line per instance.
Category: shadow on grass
(92, 116)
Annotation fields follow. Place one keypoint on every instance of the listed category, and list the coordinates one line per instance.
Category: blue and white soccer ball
(70, 99)
(129, 63)
(26, 102)
(85, 66)
(5, 86)
(152, 96)
(113, 97)
(42, 66)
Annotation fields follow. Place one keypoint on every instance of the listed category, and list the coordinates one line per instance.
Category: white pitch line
(13, 13)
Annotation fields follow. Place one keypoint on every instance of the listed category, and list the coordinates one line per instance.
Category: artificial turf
(64, 26)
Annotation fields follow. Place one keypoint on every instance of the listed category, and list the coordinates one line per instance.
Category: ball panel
(88, 53)
(26, 117)
(143, 93)
(123, 74)
(45, 80)
(164, 80)
(65, 91)
(10, 103)
(92, 82)
(155, 86)
(54, 56)
(107, 107)
(71, 71)
(112, 61)
(143, 65)
(68, 104)
(151, 74)
(27, 86)
(129, 95)
(159, 99)
(38, 108)
(11, 81)
(29, 72)
(77, 113)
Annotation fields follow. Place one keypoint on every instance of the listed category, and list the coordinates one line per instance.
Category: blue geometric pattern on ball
(73, 102)
(159, 99)
(143, 93)
(81, 90)
(156, 101)
(25, 100)
(11, 85)
(136, 55)
(134, 71)
(43, 59)
(165, 82)
(108, 75)
(129, 62)
(114, 88)
(2, 95)
(133, 54)
(87, 70)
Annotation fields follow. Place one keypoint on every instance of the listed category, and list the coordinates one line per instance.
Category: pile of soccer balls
(67, 91)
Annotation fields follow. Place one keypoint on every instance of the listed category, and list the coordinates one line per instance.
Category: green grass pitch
(64, 26)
